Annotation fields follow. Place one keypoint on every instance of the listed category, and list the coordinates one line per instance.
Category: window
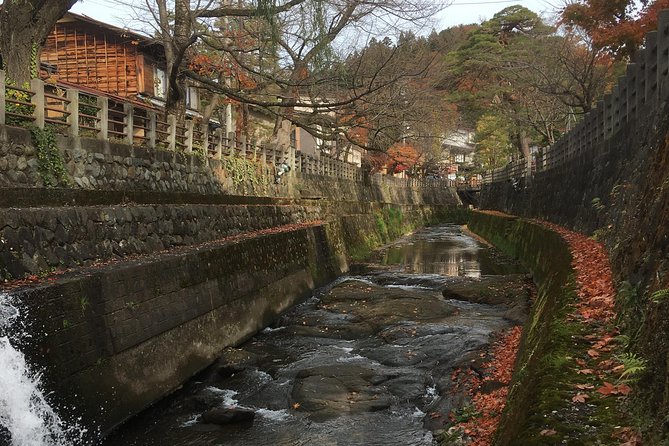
(159, 82)
(192, 98)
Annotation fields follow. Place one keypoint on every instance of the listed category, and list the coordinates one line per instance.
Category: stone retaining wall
(41, 240)
(117, 338)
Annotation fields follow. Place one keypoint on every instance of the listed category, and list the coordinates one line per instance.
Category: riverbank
(573, 376)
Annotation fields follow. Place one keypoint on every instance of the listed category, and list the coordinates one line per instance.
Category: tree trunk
(24, 27)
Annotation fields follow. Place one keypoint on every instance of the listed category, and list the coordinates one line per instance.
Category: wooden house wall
(97, 58)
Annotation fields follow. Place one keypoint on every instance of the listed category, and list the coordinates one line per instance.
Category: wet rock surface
(367, 361)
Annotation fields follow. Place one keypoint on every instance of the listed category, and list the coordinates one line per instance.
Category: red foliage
(490, 405)
(616, 25)
(593, 276)
(403, 156)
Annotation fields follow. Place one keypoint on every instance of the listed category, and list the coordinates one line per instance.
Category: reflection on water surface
(447, 251)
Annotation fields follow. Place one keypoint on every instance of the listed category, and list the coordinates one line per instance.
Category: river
(366, 360)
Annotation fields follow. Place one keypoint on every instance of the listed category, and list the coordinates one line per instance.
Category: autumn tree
(24, 27)
(408, 108)
(616, 26)
(291, 56)
(488, 72)
(493, 141)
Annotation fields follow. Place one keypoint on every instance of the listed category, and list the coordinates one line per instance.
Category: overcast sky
(460, 12)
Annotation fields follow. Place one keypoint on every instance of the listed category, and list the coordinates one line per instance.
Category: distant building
(458, 151)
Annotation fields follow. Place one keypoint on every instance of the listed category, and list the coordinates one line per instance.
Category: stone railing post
(205, 140)
(263, 154)
(292, 160)
(219, 143)
(623, 106)
(73, 112)
(608, 116)
(641, 81)
(190, 126)
(242, 145)
(3, 116)
(615, 109)
(631, 81)
(128, 121)
(37, 87)
(172, 135)
(103, 118)
(153, 124)
(232, 144)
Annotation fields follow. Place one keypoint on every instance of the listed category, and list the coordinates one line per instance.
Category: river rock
(328, 392)
(514, 291)
(228, 415)
(380, 306)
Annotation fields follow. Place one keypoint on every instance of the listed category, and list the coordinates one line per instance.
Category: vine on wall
(243, 172)
(50, 162)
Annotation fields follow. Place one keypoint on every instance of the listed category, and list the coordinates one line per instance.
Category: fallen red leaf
(547, 433)
(580, 398)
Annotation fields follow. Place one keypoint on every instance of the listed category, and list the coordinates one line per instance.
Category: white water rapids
(26, 418)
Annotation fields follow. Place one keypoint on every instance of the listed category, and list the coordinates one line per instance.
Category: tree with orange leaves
(617, 26)
(403, 157)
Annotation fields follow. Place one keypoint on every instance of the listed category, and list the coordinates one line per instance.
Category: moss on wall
(541, 393)
(363, 233)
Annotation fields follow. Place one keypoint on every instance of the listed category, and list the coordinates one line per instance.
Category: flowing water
(26, 418)
(365, 361)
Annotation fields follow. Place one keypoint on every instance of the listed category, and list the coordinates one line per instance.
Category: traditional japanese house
(82, 51)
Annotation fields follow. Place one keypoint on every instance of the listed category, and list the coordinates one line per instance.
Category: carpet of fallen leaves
(489, 404)
(53, 276)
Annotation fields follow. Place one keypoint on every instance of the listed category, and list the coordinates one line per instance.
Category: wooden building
(84, 52)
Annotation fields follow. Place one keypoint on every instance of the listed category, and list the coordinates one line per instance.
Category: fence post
(153, 124)
(37, 87)
(73, 110)
(128, 121)
(190, 126)
(103, 118)
(651, 67)
(3, 116)
(662, 53)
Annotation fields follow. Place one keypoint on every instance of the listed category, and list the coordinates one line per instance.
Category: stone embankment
(144, 265)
